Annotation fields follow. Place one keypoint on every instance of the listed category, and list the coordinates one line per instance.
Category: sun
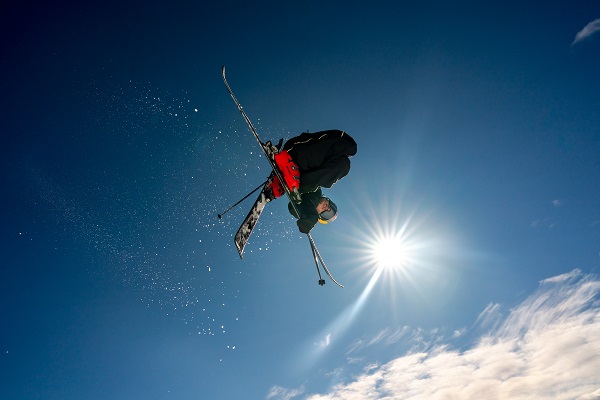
(401, 247)
(389, 252)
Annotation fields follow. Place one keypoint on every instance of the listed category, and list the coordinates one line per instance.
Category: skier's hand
(303, 229)
(305, 224)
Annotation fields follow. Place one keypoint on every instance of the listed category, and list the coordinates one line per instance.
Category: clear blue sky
(478, 131)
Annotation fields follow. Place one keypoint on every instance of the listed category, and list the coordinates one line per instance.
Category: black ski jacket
(323, 157)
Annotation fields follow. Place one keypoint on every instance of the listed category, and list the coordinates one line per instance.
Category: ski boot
(273, 189)
(291, 174)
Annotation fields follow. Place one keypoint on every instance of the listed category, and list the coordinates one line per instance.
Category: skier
(307, 163)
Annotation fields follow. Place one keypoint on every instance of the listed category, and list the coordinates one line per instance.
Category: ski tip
(239, 249)
(223, 69)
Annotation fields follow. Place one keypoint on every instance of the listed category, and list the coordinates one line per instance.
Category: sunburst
(389, 252)
(399, 244)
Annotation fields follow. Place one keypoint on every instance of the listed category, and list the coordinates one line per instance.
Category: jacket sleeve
(307, 222)
(308, 217)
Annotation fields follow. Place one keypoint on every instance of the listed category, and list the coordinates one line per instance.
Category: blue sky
(478, 157)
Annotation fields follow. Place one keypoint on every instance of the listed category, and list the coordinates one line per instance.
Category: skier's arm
(307, 222)
(307, 219)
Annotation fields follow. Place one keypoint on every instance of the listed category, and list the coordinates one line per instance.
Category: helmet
(330, 215)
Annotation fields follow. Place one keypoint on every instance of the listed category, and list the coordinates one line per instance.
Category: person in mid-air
(307, 163)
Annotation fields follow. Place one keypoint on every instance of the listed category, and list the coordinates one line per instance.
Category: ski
(268, 150)
(245, 230)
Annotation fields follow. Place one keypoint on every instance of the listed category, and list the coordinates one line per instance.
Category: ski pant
(322, 157)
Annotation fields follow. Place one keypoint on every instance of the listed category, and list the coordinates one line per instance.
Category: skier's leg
(273, 189)
(325, 176)
(289, 169)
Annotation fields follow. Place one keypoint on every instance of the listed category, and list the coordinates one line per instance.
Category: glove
(306, 223)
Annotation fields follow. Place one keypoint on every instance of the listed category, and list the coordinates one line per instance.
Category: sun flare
(389, 252)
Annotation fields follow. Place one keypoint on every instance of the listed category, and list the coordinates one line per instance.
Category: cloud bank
(548, 347)
(587, 31)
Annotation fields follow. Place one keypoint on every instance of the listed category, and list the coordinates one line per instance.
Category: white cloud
(281, 393)
(562, 278)
(459, 332)
(325, 342)
(489, 317)
(545, 223)
(587, 31)
(354, 360)
(547, 347)
(591, 396)
(388, 336)
(379, 337)
(335, 373)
